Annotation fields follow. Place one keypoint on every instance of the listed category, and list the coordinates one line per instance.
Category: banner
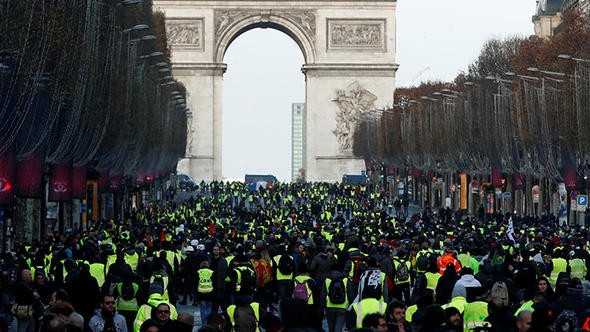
(115, 183)
(103, 182)
(518, 181)
(496, 178)
(60, 183)
(6, 177)
(510, 230)
(569, 178)
(29, 176)
(79, 177)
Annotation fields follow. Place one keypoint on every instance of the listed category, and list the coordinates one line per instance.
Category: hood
(459, 290)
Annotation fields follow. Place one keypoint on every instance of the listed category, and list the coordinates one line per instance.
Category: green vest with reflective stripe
(231, 310)
(281, 276)
(127, 305)
(367, 306)
(333, 305)
(205, 281)
(578, 268)
(432, 279)
(559, 265)
(474, 315)
(132, 260)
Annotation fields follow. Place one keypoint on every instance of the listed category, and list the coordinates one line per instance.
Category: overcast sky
(435, 41)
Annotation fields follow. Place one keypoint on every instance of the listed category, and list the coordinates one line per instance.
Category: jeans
(205, 308)
(336, 318)
(25, 325)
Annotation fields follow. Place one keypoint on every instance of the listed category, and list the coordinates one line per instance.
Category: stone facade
(349, 52)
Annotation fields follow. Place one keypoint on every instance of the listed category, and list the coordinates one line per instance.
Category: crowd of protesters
(296, 257)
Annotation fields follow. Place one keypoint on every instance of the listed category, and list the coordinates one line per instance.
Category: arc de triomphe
(349, 51)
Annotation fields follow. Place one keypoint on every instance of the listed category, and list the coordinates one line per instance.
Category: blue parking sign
(582, 200)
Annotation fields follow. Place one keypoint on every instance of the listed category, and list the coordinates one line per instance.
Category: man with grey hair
(524, 320)
(75, 322)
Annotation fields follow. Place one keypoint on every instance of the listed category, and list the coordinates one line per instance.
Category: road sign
(507, 195)
(582, 202)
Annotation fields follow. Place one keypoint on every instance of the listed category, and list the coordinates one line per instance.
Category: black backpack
(245, 319)
(247, 279)
(156, 286)
(401, 272)
(127, 291)
(286, 264)
(337, 291)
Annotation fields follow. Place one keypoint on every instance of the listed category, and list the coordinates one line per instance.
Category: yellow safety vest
(232, 309)
(127, 305)
(474, 315)
(329, 304)
(205, 285)
(97, 271)
(367, 306)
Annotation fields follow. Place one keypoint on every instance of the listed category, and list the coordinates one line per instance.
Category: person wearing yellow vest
(97, 271)
(283, 268)
(302, 285)
(401, 277)
(577, 266)
(364, 307)
(557, 264)
(336, 295)
(458, 298)
(475, 315)
(149, 310)
(126, 301)
(205, 291)
(244, 315)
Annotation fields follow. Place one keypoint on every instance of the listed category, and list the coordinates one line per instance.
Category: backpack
(500, 290)
(300, 290)
(401, 272)
(371, 284)
(337, 291)
(156, 286)
(358, 268)
(247, 279)
(286, 264)
(245, 319)
(127, 291)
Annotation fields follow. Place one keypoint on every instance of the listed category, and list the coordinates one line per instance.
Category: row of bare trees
(88, 83)
(522, 107)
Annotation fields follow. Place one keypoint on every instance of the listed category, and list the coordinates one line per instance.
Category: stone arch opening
(251, 21)
(256, 129)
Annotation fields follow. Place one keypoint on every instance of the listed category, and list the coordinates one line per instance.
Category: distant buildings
(549, 15)
(298, 142)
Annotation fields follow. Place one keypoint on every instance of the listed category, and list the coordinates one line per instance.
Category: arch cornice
(298, 24)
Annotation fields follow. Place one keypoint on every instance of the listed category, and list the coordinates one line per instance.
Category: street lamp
(130, 2)
(569, 57)
(148, 37)
(137, 27)
(537, 70)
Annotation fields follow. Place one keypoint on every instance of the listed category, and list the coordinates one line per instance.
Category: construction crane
(416, 76)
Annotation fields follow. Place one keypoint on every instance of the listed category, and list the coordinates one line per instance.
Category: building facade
(549, 14)
(297, 142)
